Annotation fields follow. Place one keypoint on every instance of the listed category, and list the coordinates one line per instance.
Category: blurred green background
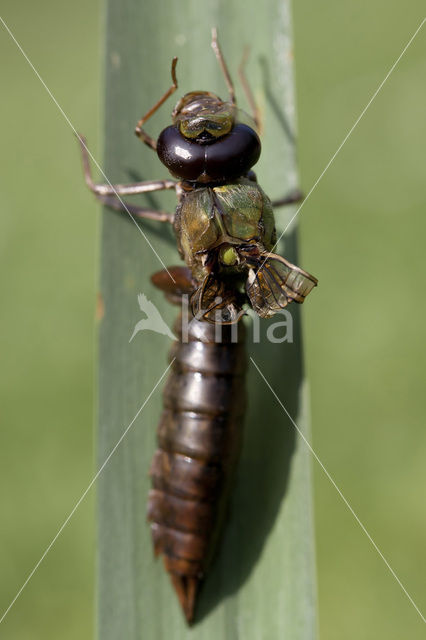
(363, 234)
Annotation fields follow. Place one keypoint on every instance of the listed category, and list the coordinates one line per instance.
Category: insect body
(199, 442)
(225, 232)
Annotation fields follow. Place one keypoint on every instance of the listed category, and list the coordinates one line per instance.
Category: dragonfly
(225, 233)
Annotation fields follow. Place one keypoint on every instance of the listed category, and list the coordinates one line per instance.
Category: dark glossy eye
(228, 157)
(233, 155)
(184, 158)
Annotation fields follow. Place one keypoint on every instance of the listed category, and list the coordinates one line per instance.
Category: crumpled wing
(213, 302)
(273, 282)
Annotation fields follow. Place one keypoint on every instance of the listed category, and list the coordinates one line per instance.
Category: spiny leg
(110, 194)
(223, 66)
(137, 212)
(246, 88)
(118, 189)
(294, 196)
(139, 131)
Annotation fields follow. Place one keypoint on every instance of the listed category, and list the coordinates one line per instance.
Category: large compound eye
(184, 158)
(233, 155)
(227, 157)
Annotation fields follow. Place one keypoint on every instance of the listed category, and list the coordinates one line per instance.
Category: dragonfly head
(210, 141)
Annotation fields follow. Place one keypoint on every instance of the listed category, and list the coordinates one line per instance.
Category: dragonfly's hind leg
(119, 189)
(138, 212)
(110, 194)
(294, 196)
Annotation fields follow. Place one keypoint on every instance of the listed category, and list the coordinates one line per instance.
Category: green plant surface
(261, 583)
(363, 229)
(47, 291)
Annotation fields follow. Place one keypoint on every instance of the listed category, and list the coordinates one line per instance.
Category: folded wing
(215, 302)
(273, 282)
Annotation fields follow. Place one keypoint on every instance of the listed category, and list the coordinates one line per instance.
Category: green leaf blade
(262, 582)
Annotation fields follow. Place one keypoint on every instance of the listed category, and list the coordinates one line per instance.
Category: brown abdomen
(199, 440)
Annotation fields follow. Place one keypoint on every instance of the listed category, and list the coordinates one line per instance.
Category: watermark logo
(277, 332)
(153, 320)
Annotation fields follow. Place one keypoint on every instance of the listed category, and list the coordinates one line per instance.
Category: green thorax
(232, 214)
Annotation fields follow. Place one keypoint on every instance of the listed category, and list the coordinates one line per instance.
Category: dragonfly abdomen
(199, 441)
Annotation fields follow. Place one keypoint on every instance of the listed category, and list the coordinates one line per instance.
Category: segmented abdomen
(199, 440)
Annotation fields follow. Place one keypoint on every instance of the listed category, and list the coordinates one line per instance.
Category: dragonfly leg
(223, 66)
(139, 131)
(290, 198)
(247, 89)
(118, 189)
(134, 210)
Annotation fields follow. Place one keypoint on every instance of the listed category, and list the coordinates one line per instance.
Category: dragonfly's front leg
(150, 142)
(110, 194)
